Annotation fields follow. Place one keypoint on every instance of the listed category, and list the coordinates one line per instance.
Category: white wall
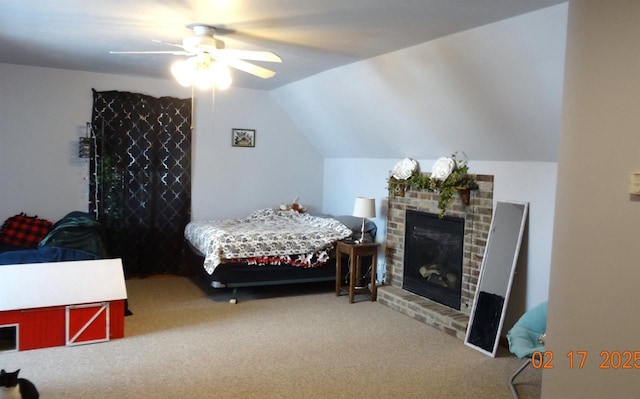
(594, 296)
(232, 181)
(43, 112)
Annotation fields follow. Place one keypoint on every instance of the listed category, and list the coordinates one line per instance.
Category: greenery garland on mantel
(457, 181)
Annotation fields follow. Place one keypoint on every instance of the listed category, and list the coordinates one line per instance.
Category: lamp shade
(364, 207)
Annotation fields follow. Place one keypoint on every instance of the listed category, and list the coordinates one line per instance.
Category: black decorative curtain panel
(140, 187)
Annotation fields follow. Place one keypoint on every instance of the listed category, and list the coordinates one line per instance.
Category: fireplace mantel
(477, 216)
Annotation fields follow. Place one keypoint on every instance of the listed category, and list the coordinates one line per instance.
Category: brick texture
(477, 216)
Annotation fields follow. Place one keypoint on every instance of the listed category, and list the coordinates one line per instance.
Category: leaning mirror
(496, 276)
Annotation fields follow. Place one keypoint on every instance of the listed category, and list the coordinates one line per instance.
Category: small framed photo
(243, 138)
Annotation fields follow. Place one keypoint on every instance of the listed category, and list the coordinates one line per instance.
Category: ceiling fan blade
(172, 52)
(152, 52)
(168, 43)
(247, 67)
(266, 56)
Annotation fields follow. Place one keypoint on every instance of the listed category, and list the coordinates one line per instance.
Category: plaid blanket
(24, 231)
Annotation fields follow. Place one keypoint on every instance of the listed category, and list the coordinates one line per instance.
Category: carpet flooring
(185, 340)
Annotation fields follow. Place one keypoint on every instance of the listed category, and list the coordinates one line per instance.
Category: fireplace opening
(433, 257)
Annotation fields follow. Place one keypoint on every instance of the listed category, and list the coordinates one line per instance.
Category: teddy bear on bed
(294, 206)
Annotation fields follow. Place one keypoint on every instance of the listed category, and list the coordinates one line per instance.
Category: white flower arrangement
(448, 175)
(442, 168)
(404, 169)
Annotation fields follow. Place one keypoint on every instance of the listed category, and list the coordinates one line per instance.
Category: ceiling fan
(209, 60)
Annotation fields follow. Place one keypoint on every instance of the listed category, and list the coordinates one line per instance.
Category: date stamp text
(578, 359)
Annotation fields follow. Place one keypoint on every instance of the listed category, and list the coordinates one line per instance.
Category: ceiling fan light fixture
(181, 71)
(203, 79)
(222, 75)
(209, 60)
(202, 72)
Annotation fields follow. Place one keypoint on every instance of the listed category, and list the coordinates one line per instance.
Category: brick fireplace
(477, 222)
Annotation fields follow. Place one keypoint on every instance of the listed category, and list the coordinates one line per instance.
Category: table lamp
(364, 208)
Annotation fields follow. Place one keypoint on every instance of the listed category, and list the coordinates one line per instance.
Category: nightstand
(355, 253)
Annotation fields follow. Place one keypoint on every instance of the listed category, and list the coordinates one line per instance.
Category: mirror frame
(486, 266)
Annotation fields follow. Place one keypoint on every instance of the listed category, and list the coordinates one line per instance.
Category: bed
(269, 247)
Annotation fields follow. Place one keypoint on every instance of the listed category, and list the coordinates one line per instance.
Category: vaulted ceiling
(493, 92)
(310, 36)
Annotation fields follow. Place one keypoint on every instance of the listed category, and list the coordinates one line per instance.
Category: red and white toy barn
(61, 303)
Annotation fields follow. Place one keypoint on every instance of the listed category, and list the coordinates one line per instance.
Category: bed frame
(238, 275)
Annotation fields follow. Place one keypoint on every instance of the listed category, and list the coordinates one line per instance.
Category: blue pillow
(524, 335)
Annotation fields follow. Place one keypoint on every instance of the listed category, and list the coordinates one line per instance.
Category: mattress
(267, 235)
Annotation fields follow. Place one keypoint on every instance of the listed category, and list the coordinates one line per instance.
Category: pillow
(24, 231)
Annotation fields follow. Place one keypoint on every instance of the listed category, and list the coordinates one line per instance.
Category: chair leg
(513, 377)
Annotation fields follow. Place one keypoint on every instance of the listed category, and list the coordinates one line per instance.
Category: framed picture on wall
(243, 137)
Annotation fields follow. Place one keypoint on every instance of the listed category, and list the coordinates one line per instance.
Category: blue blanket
(42, 255)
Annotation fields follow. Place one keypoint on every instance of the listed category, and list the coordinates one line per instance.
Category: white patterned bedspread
(264, 233)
